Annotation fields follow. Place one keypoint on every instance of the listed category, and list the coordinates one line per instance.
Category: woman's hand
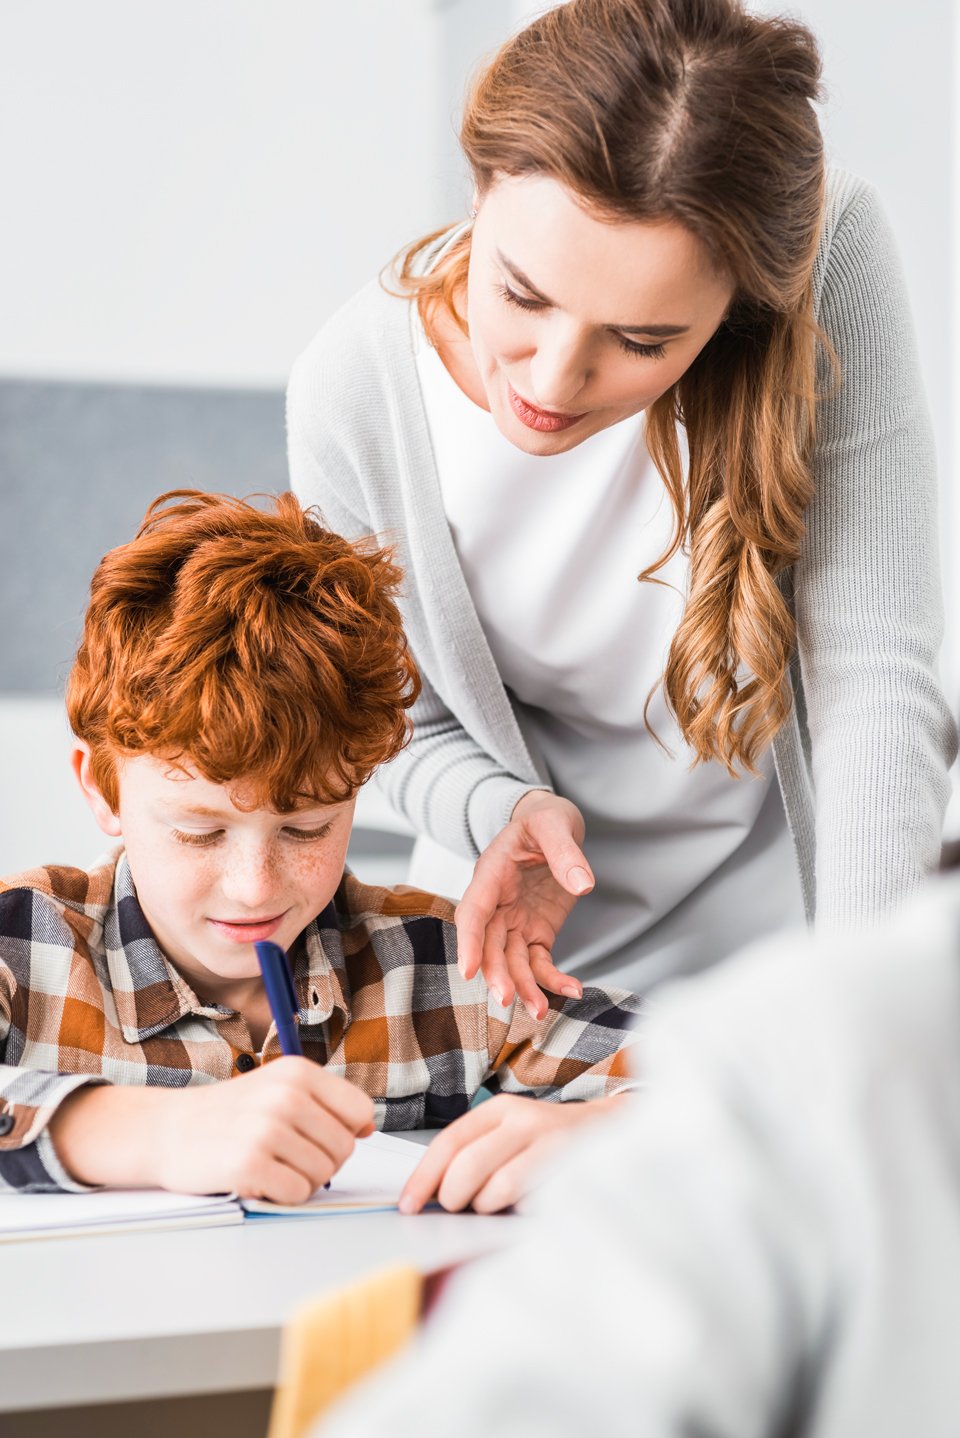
(524, 885)
(492, 1156)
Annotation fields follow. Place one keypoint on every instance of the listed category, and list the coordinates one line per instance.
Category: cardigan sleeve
(443, 783)
(867, 593)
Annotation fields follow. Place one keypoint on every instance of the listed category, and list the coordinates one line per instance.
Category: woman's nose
(558, 372)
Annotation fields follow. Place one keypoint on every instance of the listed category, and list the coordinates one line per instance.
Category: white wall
(191, 186)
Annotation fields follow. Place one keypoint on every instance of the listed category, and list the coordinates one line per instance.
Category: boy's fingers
(326, 1132)
(549, 977)
(276, 1182)
(312, 1160)
(511, 1181)
(427, 1176)
(339, 1097)
(475, 1166)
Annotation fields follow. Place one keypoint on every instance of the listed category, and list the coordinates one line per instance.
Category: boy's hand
(279, 1133)
(490, 1157)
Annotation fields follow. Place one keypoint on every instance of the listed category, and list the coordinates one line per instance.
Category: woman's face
(575, 322)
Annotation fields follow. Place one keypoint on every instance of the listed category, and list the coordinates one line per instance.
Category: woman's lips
(540, 419)
(242, 931)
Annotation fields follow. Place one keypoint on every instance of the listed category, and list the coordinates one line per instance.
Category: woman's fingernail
(579, 880)
(572, 991)
(407, 1204)
(533, 1011)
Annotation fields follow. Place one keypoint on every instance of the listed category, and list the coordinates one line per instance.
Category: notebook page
(39, 1215)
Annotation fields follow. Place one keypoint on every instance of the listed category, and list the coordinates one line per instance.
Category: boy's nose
(250, 882)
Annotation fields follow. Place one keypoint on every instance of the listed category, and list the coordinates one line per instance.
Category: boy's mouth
(248, 931)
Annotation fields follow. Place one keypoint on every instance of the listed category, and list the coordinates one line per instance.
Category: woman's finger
(494, 962)
(474, 912)
(553, 830)
(517, 958)
(549, 977)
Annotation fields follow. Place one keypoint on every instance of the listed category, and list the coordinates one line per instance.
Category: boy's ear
(104, 815)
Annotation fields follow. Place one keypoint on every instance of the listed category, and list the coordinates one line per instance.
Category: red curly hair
(252, 643)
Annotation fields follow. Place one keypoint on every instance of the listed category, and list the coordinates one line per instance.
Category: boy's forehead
(179, 787)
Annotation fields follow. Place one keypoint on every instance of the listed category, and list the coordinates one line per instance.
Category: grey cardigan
(862, 761)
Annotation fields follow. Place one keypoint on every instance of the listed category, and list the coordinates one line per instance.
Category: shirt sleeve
(867, 592)
(29, 1098)
(579, 1051)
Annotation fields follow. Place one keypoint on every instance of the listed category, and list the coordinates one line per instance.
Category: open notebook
(370, 1180)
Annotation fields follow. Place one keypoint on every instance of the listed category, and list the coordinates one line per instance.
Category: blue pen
(278, 982)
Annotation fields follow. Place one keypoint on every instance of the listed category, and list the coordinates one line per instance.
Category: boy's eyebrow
(196, 811)
(202, 811)
(661, 331)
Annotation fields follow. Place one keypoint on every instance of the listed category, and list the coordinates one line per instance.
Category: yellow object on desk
(332, 1341)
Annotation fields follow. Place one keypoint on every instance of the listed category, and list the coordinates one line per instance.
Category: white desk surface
(136, 1316)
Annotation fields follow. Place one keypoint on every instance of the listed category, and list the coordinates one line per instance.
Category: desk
(196, 1311)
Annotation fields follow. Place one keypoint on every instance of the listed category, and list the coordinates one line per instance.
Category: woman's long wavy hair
(698, 112)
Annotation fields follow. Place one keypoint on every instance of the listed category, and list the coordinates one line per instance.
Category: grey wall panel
(79, 463)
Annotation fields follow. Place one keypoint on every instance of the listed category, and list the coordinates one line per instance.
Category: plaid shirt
(87, 996)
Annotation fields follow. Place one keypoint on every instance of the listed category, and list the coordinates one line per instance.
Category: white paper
(115, 1210)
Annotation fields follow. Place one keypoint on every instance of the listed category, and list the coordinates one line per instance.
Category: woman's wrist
(528, 800)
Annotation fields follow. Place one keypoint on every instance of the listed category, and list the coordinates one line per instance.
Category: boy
(241, 674)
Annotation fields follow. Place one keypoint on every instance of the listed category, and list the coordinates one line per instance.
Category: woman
(669, 346)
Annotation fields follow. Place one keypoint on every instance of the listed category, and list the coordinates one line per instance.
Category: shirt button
(6, 1123)
(245, 1062)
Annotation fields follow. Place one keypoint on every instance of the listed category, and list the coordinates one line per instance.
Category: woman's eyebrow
(521, 278)
(659, 331)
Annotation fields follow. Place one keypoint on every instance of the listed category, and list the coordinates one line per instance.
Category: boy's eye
(306, 836)
(198, 840)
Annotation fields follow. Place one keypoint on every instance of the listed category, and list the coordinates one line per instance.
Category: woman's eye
(631, 347)
(198, 841)
(512, 298)
(306, 836)
(645, 351)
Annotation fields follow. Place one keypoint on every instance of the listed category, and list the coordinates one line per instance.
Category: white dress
(551, 548)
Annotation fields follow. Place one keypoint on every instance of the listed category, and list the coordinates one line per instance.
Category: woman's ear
(108, 821)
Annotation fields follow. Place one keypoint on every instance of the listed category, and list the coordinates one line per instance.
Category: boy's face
(213, 879)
